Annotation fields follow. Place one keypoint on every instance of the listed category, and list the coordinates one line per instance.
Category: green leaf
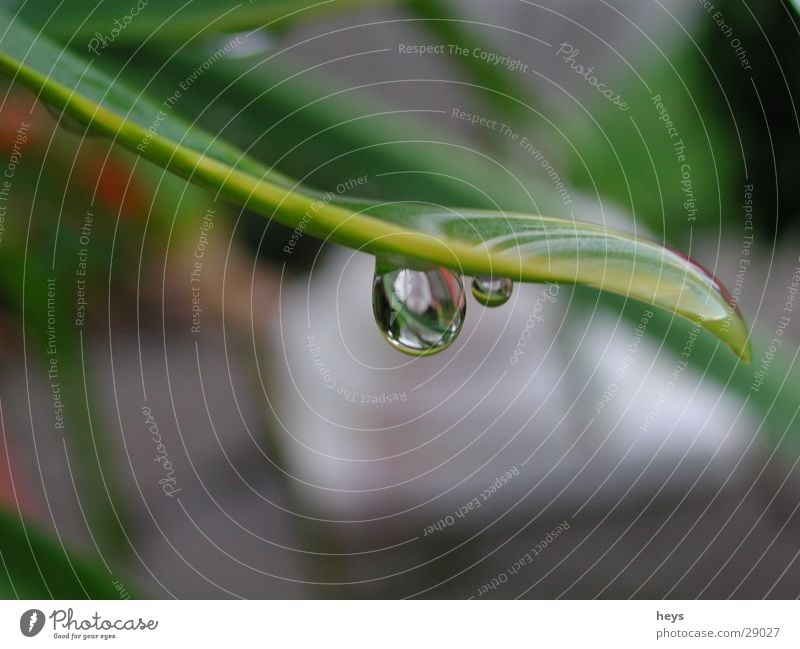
(34, 567)
(499, 85)
(522, 247)
(130, 21)
(313, 120)
(663, 141)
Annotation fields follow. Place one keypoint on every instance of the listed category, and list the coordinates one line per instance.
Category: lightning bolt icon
(34, 617)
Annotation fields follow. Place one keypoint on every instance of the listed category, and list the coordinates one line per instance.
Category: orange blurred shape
(114, 184)
(11, 493)
(16, 111)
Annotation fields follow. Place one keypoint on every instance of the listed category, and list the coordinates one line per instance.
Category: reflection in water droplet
(418, 312)
(492, 291)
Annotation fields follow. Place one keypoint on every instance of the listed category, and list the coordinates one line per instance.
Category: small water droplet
(419, 312)
(492, 291)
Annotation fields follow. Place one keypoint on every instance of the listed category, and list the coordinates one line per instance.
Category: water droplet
(492, 291)
(418, 311)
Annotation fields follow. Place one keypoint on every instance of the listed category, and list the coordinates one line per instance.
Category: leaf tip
(734, 332)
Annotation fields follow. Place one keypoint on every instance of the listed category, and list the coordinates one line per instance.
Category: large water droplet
(418, 311)
(492, 291)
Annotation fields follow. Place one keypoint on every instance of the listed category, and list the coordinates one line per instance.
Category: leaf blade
(121, 21)
(33, 567)
(522, 247)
